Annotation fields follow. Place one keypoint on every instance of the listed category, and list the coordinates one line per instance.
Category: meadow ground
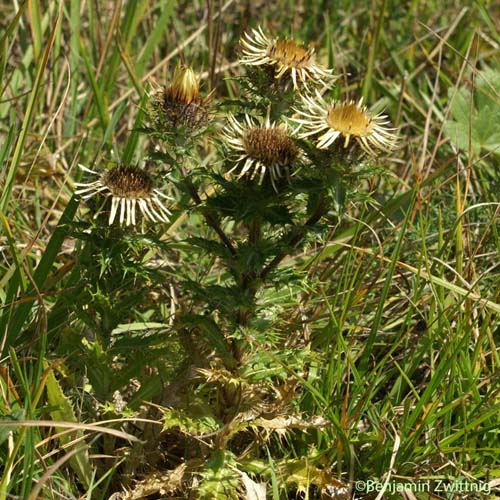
(327, 335)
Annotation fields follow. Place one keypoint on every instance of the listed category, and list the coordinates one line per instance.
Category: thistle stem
(211, 221)
(321, 209)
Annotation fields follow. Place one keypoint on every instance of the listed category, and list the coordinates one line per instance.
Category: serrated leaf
(276, 215)
(14, 415)
(487, 91)
(208, 327)
(211, 246)
(63, 411)
(459, 135)
(162, 156)
(158, 483)
(303, 473)
(493, 143)
(460, 105)
(197, 419)
(484, 125)
(220, 480)
(481, 130)
(292, 422)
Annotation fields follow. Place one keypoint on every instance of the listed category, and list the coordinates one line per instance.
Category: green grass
(373, 354)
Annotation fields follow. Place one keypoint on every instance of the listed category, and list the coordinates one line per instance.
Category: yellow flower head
(128, 187)
(262, 147)
(179, 104)
(286, 56)
(347, 120)
(185, 87)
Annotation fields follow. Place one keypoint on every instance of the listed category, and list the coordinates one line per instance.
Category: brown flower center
(128, 182)
(288, 53)
(270, 146)
(349, 119)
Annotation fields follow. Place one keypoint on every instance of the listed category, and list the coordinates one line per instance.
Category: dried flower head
(286, 56)
(262, 147)
(127, 187)
(347, 120)
(179, 104)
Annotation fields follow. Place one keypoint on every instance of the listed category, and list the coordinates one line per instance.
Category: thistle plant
(259, 180)
(217, 278)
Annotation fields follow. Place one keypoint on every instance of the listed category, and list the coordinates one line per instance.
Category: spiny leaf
(63, 411)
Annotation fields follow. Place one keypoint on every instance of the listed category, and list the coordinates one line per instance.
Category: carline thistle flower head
(128, 187)
(286, 56)
(179, 104)
(347, 120)
(262, 147)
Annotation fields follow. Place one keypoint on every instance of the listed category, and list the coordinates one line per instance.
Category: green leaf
(481, 130)
(220, 479)
(14, 415)
(166, 9)
(484, 125)
(138, 327)
(493, 143)
(460, 105)
(208, 327)
(196, 419)
(63, 411)
(459, 135)
(29, 116)
(210, 246)
(487, 91)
